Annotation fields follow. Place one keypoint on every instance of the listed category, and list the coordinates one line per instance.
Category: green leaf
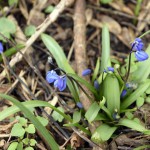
(29, 148)
(46, 135)
(148, 90)
(20, 146)
(13, 146)
(147, 99)
(138, 92)
(96, 70)
(105, 1)
(12, 2)
(17, 130)
(103, 133)
(32, 142)
(92, 112)
(139, 102)
(30, 30)
(129, 115)
(57, 116)
(61, 60)
(43, 120)
(25, 141)
(23, 121)
(111, 92)
(142, 147)
(76, 116)
(30, 104)
(30, 129)
(105, 58)
(7, 27)
(132, 124)
(79, 79)
(49, 9)
(9, 52)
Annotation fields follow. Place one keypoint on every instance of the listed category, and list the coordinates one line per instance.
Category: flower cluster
(137, 47)
(60, 82)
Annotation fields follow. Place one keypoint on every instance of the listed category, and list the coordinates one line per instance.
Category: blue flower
(137, 45)
(61, 83)
(141, 55)
(1, 48)
(124, 92)
(109, 69)
(79, 104)
(86, 72)
(96, 84)
(51, 76)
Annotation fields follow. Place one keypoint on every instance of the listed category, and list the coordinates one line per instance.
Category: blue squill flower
(61, 83)
(124, 92)
(96, 85)
(51, 76)
(86, 72)
(141, 55)
(111, 69)
(1, 48)
(137, 45)
(79, 104)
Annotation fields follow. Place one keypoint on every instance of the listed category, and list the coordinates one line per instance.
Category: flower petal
(86, 72)
(51, 76)
(137, 45)
(141, 55)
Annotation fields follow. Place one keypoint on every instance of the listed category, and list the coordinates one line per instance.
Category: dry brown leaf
(119, 5)
(126, 36)
(113, 25)
(88, 15)
(52, 102)
(75, 141)
(2, 143)
(145, 13)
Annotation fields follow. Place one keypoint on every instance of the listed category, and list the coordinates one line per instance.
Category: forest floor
(77, 27)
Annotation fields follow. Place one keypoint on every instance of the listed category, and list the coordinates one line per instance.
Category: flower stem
(128, 67)
(144, 34)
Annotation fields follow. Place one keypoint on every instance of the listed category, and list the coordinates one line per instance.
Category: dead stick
(81, 58)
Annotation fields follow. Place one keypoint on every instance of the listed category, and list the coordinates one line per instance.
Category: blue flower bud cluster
(60, 82)
(137, 47)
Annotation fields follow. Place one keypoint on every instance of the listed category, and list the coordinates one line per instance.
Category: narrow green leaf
(30, 104)
(103, 133)
(142, 147)
(138, 92)
(132, 124)
(92, 112)
(46, 135)
(79, 79)
(96, 70)
(139, 102)
(105, 58)
(11, 51)
(60, 58)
